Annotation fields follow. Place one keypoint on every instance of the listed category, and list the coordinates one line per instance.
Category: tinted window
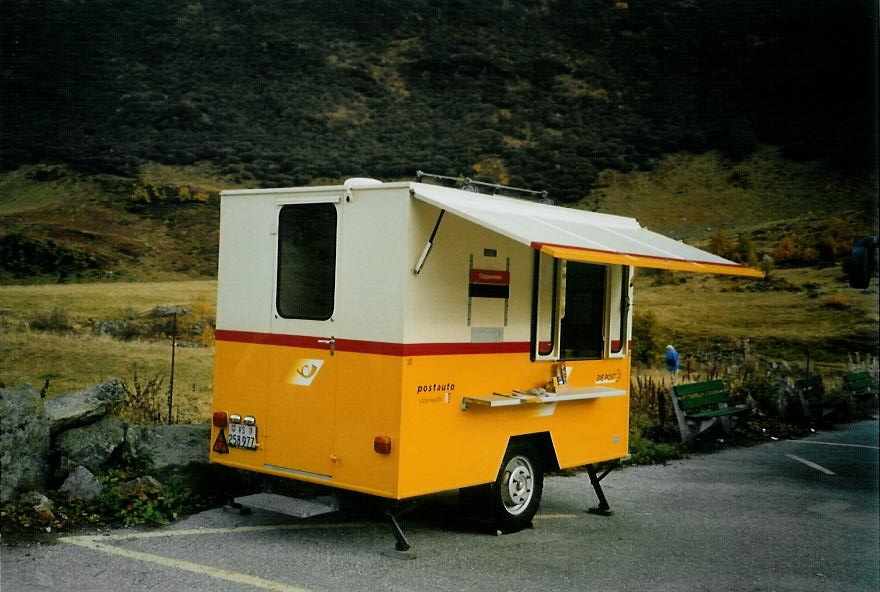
(307, 261)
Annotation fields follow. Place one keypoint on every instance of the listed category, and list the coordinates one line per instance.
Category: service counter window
(575, 308)
(306, 261)
(582, 318)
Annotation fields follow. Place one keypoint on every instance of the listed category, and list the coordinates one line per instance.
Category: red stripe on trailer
(383, 348)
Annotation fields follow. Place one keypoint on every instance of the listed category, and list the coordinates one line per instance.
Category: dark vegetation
(538, 93)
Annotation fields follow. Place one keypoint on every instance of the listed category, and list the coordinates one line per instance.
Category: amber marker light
(220, 420)
(382, 444)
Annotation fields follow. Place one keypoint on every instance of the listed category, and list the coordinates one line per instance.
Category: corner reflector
(220, 446)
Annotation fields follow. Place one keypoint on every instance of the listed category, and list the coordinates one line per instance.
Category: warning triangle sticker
(220, 445)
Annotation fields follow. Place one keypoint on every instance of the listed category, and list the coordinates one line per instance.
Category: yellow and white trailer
(400, 339)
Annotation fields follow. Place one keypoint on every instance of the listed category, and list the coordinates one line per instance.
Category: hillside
(121, 121)
(546, 93)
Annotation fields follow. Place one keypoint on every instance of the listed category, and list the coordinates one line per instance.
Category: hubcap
(516, 485)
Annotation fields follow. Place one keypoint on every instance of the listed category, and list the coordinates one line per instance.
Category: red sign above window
(490, 276)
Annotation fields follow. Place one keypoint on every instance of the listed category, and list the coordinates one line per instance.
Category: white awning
(577, 235)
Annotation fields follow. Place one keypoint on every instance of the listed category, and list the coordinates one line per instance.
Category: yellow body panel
(444, 447)
(326, 435)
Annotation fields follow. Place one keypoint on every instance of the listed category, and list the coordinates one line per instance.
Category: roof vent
(356, 182)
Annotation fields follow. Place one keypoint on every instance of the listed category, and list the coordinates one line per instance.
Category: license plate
(243, 436)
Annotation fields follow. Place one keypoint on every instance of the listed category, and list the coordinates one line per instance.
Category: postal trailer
(401, 339)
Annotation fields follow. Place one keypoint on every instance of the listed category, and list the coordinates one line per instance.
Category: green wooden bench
(700, 405)
(811, 392)
(860, 388)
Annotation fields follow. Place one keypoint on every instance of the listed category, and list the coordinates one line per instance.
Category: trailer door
(299, 430)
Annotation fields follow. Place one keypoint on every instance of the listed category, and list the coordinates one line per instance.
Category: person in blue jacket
(671, 360)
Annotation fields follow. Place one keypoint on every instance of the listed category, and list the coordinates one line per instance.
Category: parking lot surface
(787, 515)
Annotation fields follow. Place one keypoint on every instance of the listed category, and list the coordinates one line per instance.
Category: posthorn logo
(304, 371)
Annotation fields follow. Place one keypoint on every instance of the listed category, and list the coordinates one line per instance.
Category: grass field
(77, 357)
(823, 316)
(691, 195)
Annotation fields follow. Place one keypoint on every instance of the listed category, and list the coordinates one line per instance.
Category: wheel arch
(543, 443)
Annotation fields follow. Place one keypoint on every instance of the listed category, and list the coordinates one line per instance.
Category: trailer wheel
(516, 493)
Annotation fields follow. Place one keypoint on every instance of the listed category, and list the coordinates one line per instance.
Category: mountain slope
(544, 93)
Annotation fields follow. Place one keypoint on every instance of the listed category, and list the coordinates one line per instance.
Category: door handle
(331, 342)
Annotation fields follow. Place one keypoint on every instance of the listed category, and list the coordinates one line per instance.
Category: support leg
(603, 509)
(402, 548)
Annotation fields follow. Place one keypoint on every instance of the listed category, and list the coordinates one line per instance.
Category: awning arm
(421, 262)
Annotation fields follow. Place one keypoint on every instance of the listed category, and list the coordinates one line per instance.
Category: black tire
(516, 494)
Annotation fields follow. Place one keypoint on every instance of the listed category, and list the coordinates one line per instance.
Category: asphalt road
(788, 515)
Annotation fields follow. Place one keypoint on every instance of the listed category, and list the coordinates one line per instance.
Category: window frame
(280, 206)
(558, 311)
(534, 353)
(626, 277)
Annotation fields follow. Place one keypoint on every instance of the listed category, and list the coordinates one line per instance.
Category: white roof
(575, 234)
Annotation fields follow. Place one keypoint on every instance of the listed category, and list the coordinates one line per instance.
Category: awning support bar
(421, 262)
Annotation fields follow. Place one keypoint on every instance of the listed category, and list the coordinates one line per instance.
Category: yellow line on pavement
(213, 572)
(554, 516)
(233, 530)
(97, 543)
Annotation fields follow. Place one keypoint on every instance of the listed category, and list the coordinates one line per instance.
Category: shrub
(721, 245)
(144, 402)
(55, 321)
(745, 251)
(788, 250)
(646, 336)
(836, 302)
(766, 265)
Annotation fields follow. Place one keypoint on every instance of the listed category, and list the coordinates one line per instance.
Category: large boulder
(24, 441)
(82, 484)
(90, 446)
(83, 406)
(169, 448)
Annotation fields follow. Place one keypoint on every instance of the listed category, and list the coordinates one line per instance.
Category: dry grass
(77, 359)
(780, 324)
(83, 301)
(688, 195)
(20, 192)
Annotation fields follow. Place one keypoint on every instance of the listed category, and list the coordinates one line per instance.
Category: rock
(83, 406)
(170, 447)
(34, 498)
(82, 484)
(44, 513)
(24, 441)
(140, 485)
(89, 446)
(41, 505)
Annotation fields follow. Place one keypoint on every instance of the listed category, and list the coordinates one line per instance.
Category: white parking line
(96, 543)
(835, 444)
(810, 464)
